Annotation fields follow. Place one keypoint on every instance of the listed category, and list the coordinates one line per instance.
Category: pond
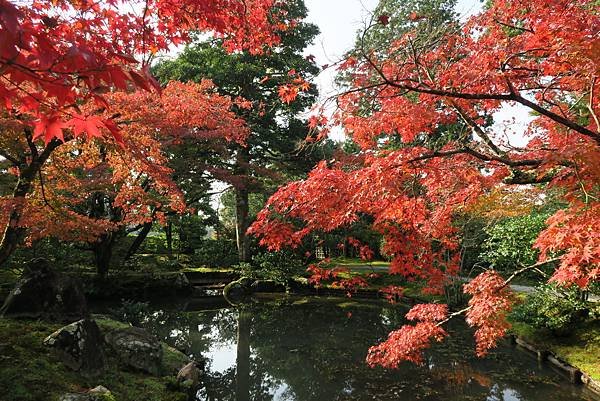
(313, 349)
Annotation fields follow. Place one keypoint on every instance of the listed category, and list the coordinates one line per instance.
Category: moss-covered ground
(30, 372)
(580, 348)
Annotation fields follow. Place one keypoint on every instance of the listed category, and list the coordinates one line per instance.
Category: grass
(580, 349)
(30, 372)
(353, 262)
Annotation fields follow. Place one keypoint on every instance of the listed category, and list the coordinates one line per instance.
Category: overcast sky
(339, 20)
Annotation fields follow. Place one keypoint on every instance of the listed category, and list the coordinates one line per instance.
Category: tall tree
(543, 56)
(275, 124)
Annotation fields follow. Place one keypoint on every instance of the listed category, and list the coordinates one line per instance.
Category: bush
(276, 266)
(216, 253)
(509, 243)
(553, 308)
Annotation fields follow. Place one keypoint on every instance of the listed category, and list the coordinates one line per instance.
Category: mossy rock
(237, 291)
(31, 372)
(173, 360)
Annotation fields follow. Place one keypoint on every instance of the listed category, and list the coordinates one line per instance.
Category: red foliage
(135, 172)
(351, 285)
(405, 344)
(392, 293)
(490, 301)
(412, 177)
(56, 54)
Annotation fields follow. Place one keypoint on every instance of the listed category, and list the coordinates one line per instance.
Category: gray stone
(79, 345)
(136, 348)
(189, 376)
(44, 293)
(99, 393)
(173, 360)
(237, 291)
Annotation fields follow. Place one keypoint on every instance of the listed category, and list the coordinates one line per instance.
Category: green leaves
(509, 243)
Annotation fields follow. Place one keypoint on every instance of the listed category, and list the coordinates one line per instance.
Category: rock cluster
(41, 292)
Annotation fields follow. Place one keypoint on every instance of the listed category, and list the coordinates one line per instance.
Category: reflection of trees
(316, 351)
(242, 376)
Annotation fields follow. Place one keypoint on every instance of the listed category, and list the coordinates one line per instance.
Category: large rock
(136, 348)
(189, 375)
(99, 393)
(42, 292)
(189, 379)
(173, 360)
(80, 346)
(237, 291)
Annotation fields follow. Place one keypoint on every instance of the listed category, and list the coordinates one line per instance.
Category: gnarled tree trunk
(13, 232)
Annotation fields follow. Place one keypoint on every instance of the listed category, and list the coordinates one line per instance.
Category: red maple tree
(421, 112)
(90, 190)
(59, 59)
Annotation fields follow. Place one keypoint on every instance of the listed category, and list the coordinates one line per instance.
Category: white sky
(339, 20)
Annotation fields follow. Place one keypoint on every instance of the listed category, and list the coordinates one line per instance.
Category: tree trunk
(241, 205)
(103, 250)
(241, 224)
(139, 240)
(169, 235)
(13, 233)
(242, 374)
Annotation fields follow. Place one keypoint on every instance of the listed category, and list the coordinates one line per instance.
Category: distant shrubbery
(509, 243)
(277, 266)
(553, 308)
(216, 253)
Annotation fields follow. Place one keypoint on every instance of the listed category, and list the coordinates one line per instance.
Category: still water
(298, 349)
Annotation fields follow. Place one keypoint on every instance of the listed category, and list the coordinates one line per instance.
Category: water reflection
(314, 350)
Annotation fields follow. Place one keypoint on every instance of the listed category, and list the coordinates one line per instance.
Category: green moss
(580, 349)
(107, 324)
(207, 270)
(30, 372)
(173, 359)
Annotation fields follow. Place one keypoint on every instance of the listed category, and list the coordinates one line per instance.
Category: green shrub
(553, 308)
(277, 266)
(509, 243)
(216, 253)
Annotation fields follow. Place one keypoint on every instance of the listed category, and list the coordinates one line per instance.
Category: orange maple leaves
(57, 54)
(421, 112)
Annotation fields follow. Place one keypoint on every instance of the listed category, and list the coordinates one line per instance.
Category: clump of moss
(580, 348)
(30, 372)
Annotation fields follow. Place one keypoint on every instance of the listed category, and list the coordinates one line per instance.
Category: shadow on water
(313, 349)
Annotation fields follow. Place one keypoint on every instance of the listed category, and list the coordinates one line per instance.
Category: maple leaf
(287, 93)
(384, 19)
(86, 125)
(49, 127)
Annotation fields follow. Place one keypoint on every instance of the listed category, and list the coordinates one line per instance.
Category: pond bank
(31, 372)
(578, 354)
